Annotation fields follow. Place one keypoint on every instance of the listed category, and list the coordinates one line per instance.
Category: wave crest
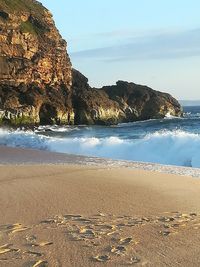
(164, 147)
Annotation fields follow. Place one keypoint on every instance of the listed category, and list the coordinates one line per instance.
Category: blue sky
(152, 42)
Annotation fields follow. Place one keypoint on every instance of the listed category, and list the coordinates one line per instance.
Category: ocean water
(169, 141)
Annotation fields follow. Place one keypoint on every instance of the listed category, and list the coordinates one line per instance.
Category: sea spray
(175, 147)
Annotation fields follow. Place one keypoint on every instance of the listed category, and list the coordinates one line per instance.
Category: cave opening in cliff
(47, 114)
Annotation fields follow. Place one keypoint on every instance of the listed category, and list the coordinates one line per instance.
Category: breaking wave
(175, 147)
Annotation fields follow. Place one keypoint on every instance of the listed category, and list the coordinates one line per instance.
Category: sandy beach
(76, 215)
(99, 133)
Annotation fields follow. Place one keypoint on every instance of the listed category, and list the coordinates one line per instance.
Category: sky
(149, 42)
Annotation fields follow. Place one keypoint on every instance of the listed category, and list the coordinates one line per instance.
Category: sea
(168, 141)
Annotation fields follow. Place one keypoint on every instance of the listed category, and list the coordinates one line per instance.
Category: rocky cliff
(35, 70)
(123, 102)
(38, 85)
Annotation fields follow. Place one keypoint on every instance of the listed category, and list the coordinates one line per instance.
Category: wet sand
(76, 215)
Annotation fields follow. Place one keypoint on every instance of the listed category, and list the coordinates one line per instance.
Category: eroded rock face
(123, 102)
(92, 106)
(38, 85)
(35, 70)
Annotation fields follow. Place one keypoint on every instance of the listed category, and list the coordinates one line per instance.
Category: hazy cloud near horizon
(158, 45)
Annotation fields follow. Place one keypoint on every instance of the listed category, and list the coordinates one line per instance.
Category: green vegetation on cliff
(27, 26)
(24, 120)
(30, 6)
(31, 27)
(36, 12)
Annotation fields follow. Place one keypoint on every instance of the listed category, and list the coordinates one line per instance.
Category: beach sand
(75, 215)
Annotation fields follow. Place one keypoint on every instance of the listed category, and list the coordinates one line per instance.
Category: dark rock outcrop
(36, 83)
(92, 106)
(123, 102)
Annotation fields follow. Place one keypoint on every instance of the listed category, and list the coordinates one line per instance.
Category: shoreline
(26, 156)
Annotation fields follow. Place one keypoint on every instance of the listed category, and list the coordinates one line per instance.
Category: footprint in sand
(83, 220)
(121, 249)
(76, 237)
(40, 263)
(89, 243)
(118, 250)
(19, 228)
(41, 244)
(166, 219)
(113, 233)
(48, 221)
(71, 216)
(33, 253)
(125, 241)
(4, 250)
(87, 233)
(13, 228)
(101, 214)
(133, 260)
(101, 258)
(31, 238)
(165, 233)
(33, 242)
(7, 248)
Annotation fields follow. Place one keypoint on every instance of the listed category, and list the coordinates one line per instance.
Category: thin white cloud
(166, 45)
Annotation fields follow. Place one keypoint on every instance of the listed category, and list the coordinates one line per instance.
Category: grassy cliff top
(36, 24)
(18, 6)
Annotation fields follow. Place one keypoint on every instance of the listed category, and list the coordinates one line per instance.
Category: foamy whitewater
(170, 141)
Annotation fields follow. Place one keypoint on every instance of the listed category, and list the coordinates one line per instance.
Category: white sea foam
(56, 128)
(169, 116)
(165, 147)
(26, 139)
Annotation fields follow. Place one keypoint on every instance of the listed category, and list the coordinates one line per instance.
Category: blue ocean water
(171, 141)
